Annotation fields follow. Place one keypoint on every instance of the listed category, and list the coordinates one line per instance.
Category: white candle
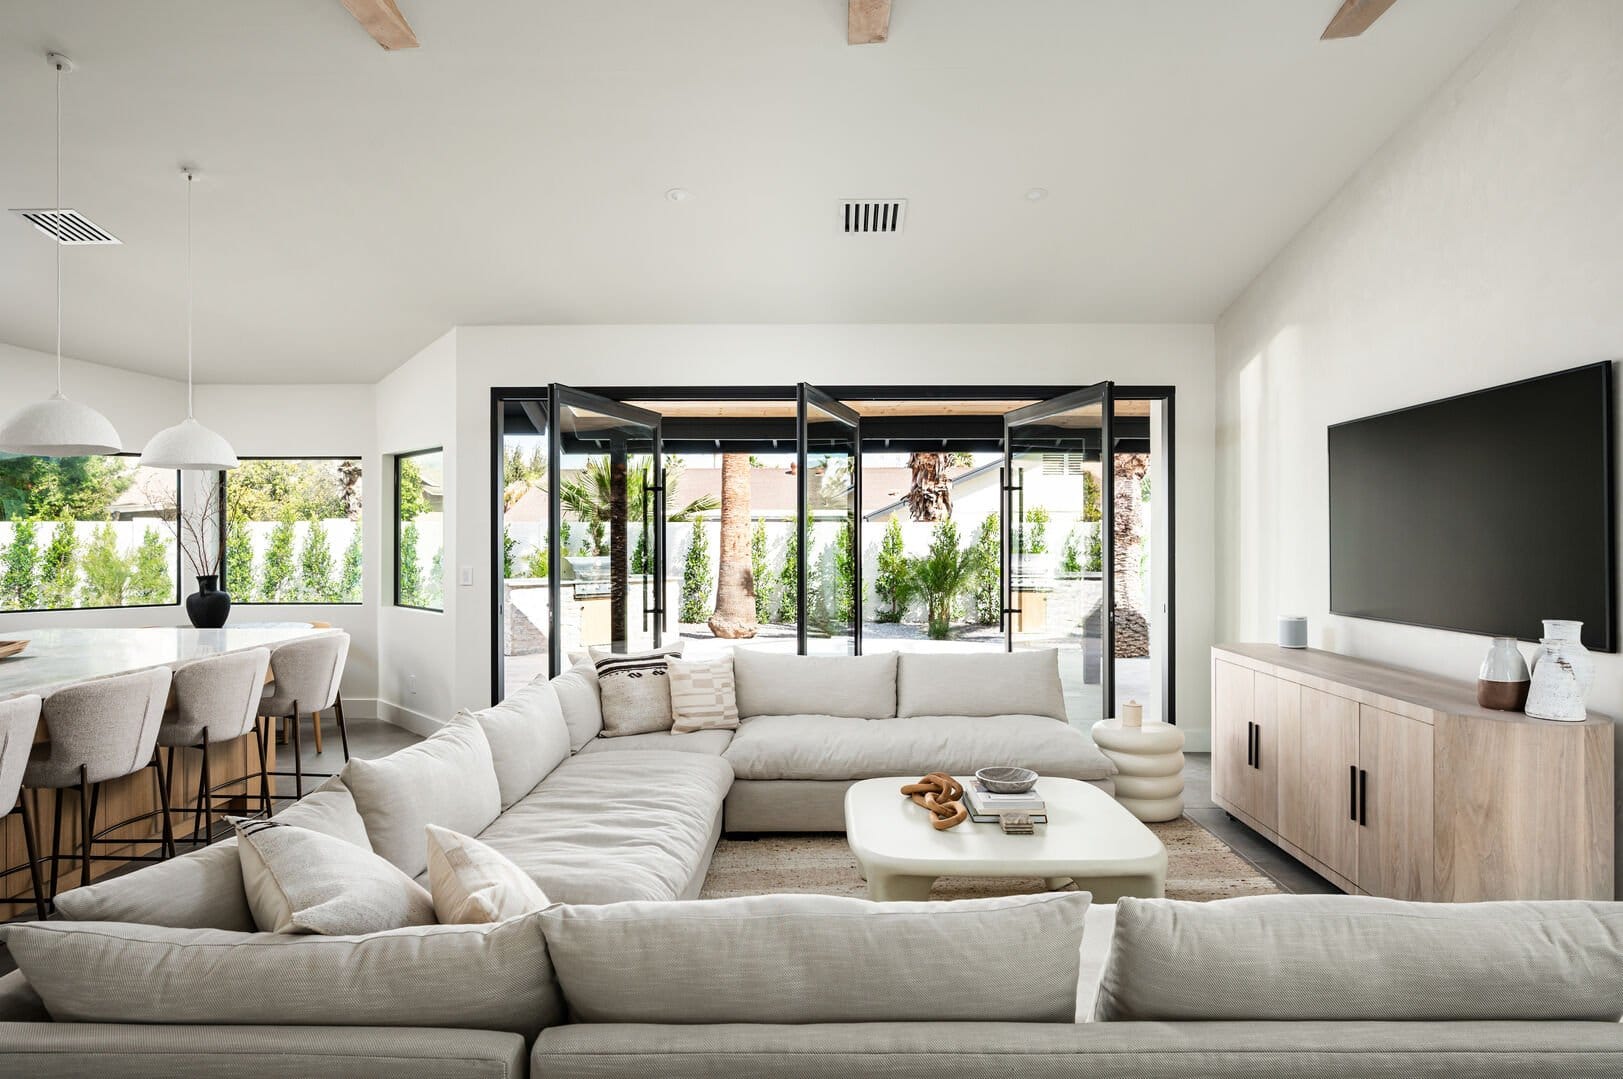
(1132, 714)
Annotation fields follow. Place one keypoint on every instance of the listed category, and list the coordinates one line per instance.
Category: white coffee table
(1089, 838)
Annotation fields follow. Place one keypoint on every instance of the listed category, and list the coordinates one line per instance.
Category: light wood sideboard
(1395, 783)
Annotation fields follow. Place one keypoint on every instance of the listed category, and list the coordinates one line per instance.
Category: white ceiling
(356, 203)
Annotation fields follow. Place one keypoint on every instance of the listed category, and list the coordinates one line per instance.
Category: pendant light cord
(56, 228)
(189, 179)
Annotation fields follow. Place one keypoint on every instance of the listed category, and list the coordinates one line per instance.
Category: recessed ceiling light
(1036, 194)
(678, 194)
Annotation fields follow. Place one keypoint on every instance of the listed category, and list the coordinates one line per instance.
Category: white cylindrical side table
(1150, 764)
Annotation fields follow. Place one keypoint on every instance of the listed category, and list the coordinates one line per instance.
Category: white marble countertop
(62, 656)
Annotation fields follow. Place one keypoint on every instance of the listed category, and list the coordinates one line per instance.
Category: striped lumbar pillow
(702, 695)
(635, 690)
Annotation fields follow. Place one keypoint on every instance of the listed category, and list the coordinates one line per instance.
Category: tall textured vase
(209, 606)
(1563, 672)
(1503, 680)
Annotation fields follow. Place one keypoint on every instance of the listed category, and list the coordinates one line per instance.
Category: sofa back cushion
(482, 977)
(581, 703)
(819, 959)
(1361, 958)
(989, 684)
(528, 738)
(774, 684)
(447, 779)
(203, 889)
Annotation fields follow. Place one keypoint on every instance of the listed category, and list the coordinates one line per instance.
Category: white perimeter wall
(259, 421)
(1482, 244)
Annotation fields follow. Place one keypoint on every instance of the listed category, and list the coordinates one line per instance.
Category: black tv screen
(1484, 513)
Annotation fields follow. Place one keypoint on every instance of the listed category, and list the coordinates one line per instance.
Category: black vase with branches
(197, 530)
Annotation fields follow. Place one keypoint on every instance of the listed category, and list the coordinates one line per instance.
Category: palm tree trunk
(734, 616)
(1132, 626)
(619, 550)
(930, 497)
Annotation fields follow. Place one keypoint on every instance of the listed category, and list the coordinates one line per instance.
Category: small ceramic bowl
(1007, 780)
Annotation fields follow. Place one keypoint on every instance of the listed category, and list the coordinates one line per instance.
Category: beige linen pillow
(528, 738)
(472, 883)
(703, 697)
(301, 881)
(635, 692)
(577, 696)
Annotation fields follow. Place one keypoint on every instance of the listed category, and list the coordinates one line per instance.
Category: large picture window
(420, 530)
(293, 530)
(87, 532)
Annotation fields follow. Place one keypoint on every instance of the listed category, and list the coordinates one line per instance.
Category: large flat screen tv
(1483, 513)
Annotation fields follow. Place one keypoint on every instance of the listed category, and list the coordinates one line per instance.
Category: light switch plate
(467, 576)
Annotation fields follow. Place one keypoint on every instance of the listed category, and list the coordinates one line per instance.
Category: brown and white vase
(1502, 681)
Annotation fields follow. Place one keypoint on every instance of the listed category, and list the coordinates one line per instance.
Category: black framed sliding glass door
(828, 463)
(1057, 481)
(606, 483)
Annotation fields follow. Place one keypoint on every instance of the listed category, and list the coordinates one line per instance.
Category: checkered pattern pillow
(702, 695)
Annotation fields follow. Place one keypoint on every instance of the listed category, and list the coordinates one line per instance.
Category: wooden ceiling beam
(382, 19)
(1354, 18)
(868, 22)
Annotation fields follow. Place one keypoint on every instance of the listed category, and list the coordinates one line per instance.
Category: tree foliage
(758, 566)
(696, 577)
(268, 489)
(316, 584)
(349, 580)
(58, 567)
(409, 579)
(84, 488)
(239, 558)
(586, 495)
(893, 581)
(845, 574)
(987, 590)
(19, 586)
(149, 580)
(106, 571)
(943, 574)
(279, 581)
(789, 579)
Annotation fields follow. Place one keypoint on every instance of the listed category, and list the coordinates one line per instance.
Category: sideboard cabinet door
(1395, 850)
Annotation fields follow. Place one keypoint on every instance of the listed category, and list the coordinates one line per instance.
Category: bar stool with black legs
(19, 718)
(305, 682)
(100, 730)
(216, 700)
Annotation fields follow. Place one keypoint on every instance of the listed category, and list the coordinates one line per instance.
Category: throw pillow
(577, 694)
(472, 883)
(702, 695)
(528, 738)
(635, 691)
(301, 881)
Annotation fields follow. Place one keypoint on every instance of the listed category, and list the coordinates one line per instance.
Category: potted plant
(196, 529)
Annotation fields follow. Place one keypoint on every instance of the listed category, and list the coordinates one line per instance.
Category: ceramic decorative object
(1132, 714)
(1007, 780)
(1563, 672)
(1503, 679)
(209, 606)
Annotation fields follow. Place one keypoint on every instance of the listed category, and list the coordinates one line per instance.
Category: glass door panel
(525, 560)
(1057, 544)
(607, 494)
(828, 461)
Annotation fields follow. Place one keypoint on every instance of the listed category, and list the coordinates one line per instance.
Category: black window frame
(224, 524)
(394, 559)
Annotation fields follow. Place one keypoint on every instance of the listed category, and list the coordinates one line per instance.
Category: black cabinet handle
(1363, 797)
(1256, 754)
(1352, 792)
(1250, 730)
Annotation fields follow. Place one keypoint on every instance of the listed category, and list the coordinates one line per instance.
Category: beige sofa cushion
(472, 884)
(1359, 958)
(819, 959)
(777, 684)
(528, 737)
(979, 684)
(481, 977)
(300, 881)
(606, 827)
(581, 704)
(833, 747)
(703, 696)
(710, 743)
(635, 689)
(447, 779)
(203, 889)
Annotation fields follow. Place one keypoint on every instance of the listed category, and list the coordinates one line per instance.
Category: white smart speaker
(1292, 631)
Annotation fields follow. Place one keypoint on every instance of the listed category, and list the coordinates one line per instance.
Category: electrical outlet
(411, 684)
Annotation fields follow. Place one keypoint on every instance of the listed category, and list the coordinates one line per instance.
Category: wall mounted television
(1483, 513)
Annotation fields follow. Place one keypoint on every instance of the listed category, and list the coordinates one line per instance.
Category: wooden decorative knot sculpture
(943, 796)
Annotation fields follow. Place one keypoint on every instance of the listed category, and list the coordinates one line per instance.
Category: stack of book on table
(986, 808)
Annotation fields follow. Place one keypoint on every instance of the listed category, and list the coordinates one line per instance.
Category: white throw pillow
(634, 689)
(528, 738)
(703, 697)
(301, 881)
(583, 711)
(472, 883)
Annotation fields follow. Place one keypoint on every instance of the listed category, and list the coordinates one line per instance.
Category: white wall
(258, 420)
(1180, 355)
(1482, 244)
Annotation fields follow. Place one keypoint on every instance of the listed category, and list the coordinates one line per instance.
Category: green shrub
(988, 586)
(349, 579)
(58, 567)
(696, 589)
(279, 585)
(758, 568)
(942, 575)
(789, 580)
(106, 571)
(1095, 561)
(1070, 553)
(316, 566)
(1036, 531)
(239, 557)
(19, 590)
(508, 543)
(409, 582)
(893, 580)
(1090, 498)
(434, 583)
(150, 581)
(845, 574)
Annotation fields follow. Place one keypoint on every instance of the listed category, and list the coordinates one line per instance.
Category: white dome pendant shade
(56, 426)
(188, 444)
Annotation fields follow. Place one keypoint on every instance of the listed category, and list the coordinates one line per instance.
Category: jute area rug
(1199, 866)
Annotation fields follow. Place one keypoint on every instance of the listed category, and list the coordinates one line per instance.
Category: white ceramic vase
(1563, 672)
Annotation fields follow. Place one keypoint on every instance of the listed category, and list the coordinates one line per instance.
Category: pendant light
(188, 444)
(56, 426)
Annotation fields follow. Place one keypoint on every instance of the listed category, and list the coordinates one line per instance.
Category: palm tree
(734, 615)
(588, 494)
(943, 574)
(1127, 531)
(930, 496)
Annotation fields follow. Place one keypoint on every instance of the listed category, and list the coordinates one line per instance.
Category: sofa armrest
(117, 1051)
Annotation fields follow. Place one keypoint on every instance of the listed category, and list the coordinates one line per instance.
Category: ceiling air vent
(874, 215)
(74, 228)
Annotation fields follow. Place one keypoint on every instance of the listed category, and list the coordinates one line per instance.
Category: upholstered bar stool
(216, 700)
(19, 717)
(305, 681)
(101, 730)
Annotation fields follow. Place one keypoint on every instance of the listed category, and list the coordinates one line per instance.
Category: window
(87, 532)
(419, 550)
(293, 530)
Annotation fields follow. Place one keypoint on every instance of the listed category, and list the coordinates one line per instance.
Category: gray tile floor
(1280, 867)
